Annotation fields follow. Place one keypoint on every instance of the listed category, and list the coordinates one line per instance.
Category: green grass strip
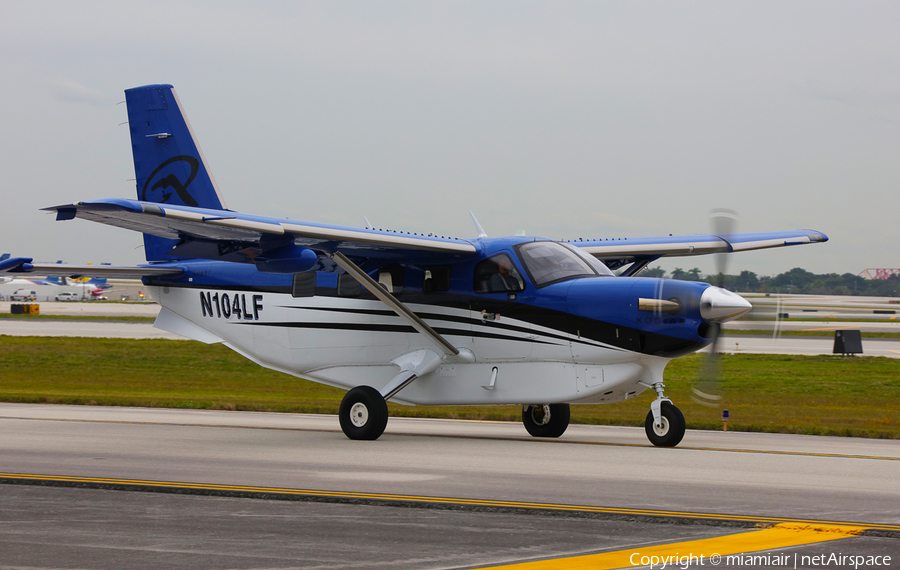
(822, 395)
(78, 318)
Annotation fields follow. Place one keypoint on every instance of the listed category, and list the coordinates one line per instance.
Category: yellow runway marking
(707, 552)
(381, 497)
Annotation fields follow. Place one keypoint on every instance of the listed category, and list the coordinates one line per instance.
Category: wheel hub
(359, 414)
(662, 428)
(541, 415)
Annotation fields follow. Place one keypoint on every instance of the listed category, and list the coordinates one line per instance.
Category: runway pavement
(734, 343)
(428, 494)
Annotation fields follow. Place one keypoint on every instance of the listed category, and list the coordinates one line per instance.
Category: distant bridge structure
(879, 273)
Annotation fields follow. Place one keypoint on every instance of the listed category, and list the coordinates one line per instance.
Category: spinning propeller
(716, 306)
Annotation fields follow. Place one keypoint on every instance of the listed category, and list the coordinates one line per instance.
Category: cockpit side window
(497, 274)
(549, 262)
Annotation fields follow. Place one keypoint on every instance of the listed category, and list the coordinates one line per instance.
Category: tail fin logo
(163, 178)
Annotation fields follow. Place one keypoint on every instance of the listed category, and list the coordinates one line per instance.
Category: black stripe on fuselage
(444, 317)
(407, 329)
(569, 327)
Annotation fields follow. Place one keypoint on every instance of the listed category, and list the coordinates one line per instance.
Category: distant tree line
(796, 280)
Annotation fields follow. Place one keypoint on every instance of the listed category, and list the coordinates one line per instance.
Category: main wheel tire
(547, 420)
(672, 430)
(363, 413)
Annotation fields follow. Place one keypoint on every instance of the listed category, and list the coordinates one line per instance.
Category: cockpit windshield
(549, 262)
(600, 267)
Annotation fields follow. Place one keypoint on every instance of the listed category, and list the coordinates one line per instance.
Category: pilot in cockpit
(504, 279)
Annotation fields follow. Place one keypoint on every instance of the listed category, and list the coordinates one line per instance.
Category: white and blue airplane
(415, 319)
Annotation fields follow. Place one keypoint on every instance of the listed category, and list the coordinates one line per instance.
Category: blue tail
(168, 164)
(99, 283)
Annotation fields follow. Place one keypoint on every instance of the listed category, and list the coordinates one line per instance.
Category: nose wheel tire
(363, 413)
(671, 430)
(547, 420)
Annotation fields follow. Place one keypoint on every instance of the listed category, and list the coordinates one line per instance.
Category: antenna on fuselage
(368, 223)
(478, 227)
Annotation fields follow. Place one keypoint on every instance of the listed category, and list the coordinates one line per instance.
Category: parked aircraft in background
(413, 318)
(44, 290)
(96, 283)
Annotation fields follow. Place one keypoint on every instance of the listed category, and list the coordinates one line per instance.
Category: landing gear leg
(665, 423)
(363, 413)
(547, 420)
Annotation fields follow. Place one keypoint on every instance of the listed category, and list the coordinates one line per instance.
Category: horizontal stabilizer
(24, 265)
(16, 264)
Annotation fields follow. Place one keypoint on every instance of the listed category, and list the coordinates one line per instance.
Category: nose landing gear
(670, 428)
(665, 423)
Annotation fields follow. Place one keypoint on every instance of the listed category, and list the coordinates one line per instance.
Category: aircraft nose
(720, 305)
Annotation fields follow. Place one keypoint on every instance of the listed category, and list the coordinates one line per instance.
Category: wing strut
(402, 310)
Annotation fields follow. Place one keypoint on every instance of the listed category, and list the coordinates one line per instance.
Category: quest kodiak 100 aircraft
(412, 318)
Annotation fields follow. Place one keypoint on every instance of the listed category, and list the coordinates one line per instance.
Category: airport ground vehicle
(23, 295)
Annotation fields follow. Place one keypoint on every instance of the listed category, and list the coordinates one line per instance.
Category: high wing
(616, 253)
(230, 236)
(225, 235)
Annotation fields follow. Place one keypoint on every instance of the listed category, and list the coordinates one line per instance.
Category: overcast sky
(560, 119)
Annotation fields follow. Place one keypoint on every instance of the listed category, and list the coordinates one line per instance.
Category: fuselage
(556, 325)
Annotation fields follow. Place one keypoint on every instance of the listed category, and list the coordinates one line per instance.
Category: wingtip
(817, 236)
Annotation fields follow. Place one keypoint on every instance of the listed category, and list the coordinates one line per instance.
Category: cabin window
(437, 279)
(304, 284)
(348, 286)
(391, 278)
(497, 274)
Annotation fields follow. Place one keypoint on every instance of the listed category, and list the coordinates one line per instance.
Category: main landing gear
(546, 420)
(363, 413)
(665, 423)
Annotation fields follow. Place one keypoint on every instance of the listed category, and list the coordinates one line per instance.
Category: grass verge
(78, 318)
(820, 395)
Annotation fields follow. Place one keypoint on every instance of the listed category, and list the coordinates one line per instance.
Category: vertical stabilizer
(168, 164)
